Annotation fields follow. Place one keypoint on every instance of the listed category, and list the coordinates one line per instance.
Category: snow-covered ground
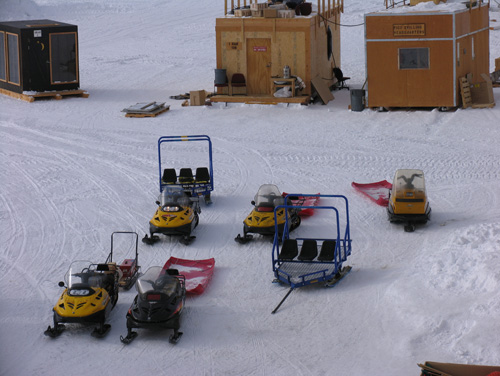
(75, 170)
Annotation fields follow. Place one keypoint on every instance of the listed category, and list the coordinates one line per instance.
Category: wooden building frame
(259, 47)
(450, 45)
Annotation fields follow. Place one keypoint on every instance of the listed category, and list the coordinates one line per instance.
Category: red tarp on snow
(304, 201)
(378, 192)
(197, 272)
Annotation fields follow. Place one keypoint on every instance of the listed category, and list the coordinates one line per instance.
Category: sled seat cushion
(186, 176)
(202, 175)
(289, 250)
(169, 176)
(309, 250)
(327, 251)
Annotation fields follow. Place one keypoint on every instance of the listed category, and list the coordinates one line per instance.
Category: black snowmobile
(159, 302)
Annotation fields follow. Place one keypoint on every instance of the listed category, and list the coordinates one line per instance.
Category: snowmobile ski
(243, 239)
(129, 338)
(150, 240)
(54, 332)
(100, 331)
(174, 338)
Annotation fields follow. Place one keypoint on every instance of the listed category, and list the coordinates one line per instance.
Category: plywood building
(260, 46)
(416, 59)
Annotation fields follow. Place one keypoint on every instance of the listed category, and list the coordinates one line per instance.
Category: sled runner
(301, 261)
(197, 272)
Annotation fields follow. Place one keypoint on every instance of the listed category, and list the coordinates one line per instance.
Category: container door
(63, 58)
(258, 65)
(38, 78)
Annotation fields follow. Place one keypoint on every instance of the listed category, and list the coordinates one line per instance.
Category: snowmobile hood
(264, 218)
(171, 216)
(82, 302)
(160, 295)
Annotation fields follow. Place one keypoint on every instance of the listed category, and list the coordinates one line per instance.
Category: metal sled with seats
(201, 183)
(302, 261)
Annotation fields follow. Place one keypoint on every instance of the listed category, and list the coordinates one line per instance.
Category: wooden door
(258, 65)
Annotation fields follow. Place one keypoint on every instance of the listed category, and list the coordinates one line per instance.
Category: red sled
(377, 192)
(304, 201)
(197, 272)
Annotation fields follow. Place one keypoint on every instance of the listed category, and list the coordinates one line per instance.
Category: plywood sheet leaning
(322, 90)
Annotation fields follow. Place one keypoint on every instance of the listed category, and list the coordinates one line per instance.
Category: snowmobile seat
(202, 175)
(265, 207)
(289, 249)
(327, 251)
(309, 250)
(169, 176)
(186, 176)
(102, 268)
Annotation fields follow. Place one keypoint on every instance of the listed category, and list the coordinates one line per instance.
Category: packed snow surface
(75, 170)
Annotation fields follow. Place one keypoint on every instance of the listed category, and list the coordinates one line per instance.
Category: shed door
(258, 65)
(63, 58)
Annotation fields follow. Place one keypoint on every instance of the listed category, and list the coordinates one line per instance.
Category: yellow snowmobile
(91, 292)
(408, 200)
(177, 214)
(261, 219)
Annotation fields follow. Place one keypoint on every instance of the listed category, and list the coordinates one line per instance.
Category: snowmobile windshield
(268, 196)
(409, 184)
(173, 199)
(79, 275)
(155, 279)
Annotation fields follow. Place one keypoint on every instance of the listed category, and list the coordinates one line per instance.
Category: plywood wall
(300, 43)
(458, 44)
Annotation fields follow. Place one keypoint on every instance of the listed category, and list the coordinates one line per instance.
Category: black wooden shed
(38, 55)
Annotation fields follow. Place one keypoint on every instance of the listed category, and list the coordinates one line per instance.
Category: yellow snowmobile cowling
(408, 200)
(82, 302)
(172, 218)
(260, 219)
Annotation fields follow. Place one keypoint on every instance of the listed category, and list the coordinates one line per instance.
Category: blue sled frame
(308, 267)
(192, 184)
